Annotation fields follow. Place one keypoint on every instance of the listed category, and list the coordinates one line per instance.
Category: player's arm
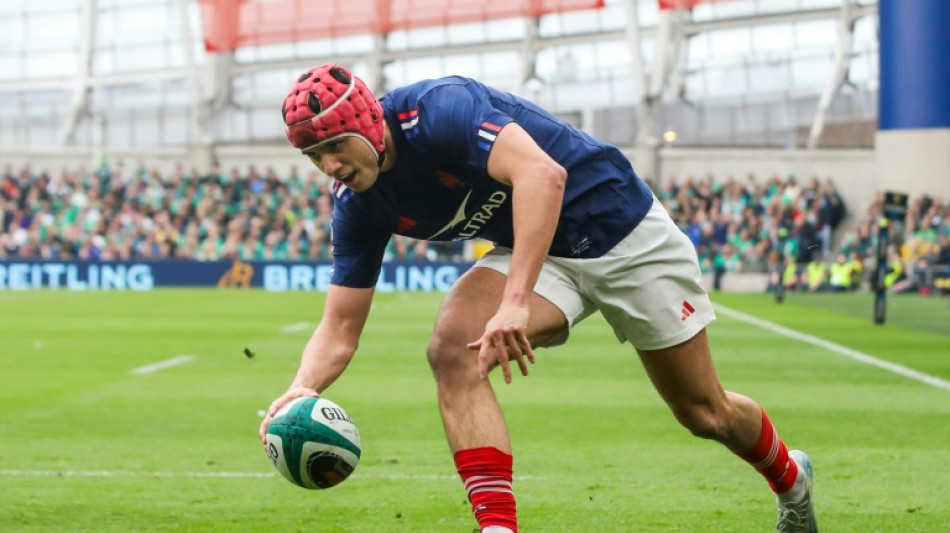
(334, 342)
(330, 348)
(537, 183)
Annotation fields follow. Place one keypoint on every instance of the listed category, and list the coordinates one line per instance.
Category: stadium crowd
(737, 225)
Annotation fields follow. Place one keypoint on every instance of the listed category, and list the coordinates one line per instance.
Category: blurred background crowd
(801, 231)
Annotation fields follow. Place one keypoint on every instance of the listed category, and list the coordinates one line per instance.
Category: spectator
(816, 274)
(839, 278)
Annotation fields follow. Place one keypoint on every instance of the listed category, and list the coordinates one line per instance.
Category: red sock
(770, 458)
(486, 473)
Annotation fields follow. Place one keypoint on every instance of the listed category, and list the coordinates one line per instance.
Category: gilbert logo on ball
(313, 443)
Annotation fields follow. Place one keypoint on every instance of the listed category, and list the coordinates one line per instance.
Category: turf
(87, 446)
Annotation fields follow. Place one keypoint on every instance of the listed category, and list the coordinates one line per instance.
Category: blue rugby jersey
(440, 189)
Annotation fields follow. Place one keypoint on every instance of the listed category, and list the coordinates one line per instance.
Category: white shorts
(648, 286)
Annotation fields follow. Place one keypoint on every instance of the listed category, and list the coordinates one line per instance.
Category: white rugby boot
(798, 516)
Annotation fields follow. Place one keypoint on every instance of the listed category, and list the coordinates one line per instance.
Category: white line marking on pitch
(837, 348)
(129, 473)
(161, 365)
(299, 326)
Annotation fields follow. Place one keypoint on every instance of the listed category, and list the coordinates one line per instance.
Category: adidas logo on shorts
(687, 310)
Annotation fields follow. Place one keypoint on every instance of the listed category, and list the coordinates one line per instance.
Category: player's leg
(686, 379)
(653, 296)
(474, 426)
(469, 409)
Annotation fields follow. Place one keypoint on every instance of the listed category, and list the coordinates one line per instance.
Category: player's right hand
(291, 394)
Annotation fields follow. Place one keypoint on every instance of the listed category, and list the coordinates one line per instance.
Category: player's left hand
(505, 338)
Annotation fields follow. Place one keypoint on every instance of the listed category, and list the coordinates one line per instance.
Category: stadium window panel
(40, 135)
(777, 6)
(83, 133)
(582, 22)
(612, 16)
(811, 74)
(731, 42)
(11, 7)
(60, 65)
(49, 6)
(864, 37)
(11, 34)
(773, 37)
(310, 48)
(273, 52)
(426, 38)
(134, 98)
(465, 65)
(241, 90)
(623, 91)
(698, 49)
(355, 44)
(648, 13)
(175, 56)
(232, 125)
(816, 34)
(499, 69)
(104, 62)
(863, 70)
(752, 119)
(265, 85)
(125, 3)
(703, 13)
(734, 8)
(52, 32)
(546, 62)
(726, 81)
(717, 122)
(695, 84)
(138, 58)
(423, 68)
(118, 130)
(504, 29)
(394, 75)
(397, 40)
(611, 56)
(11, 67)
(246, 54)
(265, 123)
(176, 93)
(550, 25)
(769, 77)
(818, 4)
(140, 25)
(471, 33)
(146, 129)
(583, 92)
(566, 64)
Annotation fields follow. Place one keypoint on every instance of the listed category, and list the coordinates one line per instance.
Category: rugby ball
(313, 443)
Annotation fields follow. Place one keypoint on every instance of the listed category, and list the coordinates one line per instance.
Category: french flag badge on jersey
(409, 122)
(487, 133)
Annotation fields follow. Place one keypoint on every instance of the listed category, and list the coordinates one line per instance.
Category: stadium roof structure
(229, 24)
(195, 76)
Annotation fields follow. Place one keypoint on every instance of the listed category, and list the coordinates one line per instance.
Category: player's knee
(446, 353)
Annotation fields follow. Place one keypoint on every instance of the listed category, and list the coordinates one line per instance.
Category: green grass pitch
(85, 445)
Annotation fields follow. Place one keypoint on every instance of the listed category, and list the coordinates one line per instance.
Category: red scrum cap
(329, 101)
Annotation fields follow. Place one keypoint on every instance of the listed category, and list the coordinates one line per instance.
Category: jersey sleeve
(358, 247)
(458, 124)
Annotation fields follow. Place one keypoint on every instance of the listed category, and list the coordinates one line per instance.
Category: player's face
(347, 160)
